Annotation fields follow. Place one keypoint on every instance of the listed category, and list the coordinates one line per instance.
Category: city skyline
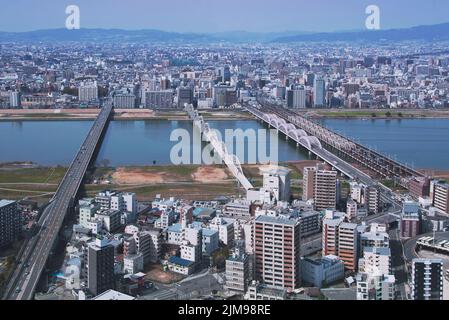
(211, 17)
(148, 153)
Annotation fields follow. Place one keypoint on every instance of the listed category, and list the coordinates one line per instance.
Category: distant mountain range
(429, 33)
(436, 32)
(111, 35)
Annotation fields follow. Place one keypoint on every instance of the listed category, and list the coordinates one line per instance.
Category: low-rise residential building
(133, 263)
(322, 272)
(258, 291)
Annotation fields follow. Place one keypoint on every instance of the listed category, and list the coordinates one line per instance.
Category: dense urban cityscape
(337, 219)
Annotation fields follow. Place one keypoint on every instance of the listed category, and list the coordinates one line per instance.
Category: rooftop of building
(384, 251)
(276, 220)
(113, 295)
(4, 203)
(347, 225)
(326, 260)
(180, 261)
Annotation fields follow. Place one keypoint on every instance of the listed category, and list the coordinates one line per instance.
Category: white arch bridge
(231, 161)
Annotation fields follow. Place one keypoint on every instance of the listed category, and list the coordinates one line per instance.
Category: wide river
(423, 143)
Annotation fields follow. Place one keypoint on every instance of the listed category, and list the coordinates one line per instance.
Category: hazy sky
(221, 15)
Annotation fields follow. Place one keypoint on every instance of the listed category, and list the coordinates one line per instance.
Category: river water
(423, 143)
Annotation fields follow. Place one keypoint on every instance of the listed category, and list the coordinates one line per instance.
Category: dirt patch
(210, 174)
(156, 273)
(136, 176)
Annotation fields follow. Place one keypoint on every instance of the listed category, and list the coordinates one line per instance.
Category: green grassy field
(33, 175)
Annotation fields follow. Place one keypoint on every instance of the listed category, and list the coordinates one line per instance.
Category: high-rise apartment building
(277, 251)
(296, 98)
(319, 92)
(10, 222)
(340, 238)
(125, 101)
(15, 99)
(88, 92)
(372, 199)
(238, 271)
(427, 279)
(159, 99)
(347, 245)
(321, 186)
(100, 266)
(441, 197)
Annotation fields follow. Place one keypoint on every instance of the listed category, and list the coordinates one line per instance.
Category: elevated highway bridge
(32, 258)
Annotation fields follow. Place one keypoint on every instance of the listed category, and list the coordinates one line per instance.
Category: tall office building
(319, 92)
(14, 99)
(296, 98)
(277, 251)
(310, 79)
(100, 267)
(225, 74)
(321, 186)
(159, 99)
(427, 279)
(88, 92)
(10, 222)
(224, 95)
(185, 95)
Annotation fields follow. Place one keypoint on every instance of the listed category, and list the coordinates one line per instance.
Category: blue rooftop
(209, 232)
(199, 211)
(175, 228)
(179, 261)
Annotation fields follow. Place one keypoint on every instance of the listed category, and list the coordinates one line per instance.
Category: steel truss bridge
(299, 127)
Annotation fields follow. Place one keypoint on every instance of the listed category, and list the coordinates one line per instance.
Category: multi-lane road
(33, 256)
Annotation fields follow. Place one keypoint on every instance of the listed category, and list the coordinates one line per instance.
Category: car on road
(18, 290)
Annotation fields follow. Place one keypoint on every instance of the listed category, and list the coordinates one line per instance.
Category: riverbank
(191, 182)
(373, 114)
(119, 115)
(214, 115)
